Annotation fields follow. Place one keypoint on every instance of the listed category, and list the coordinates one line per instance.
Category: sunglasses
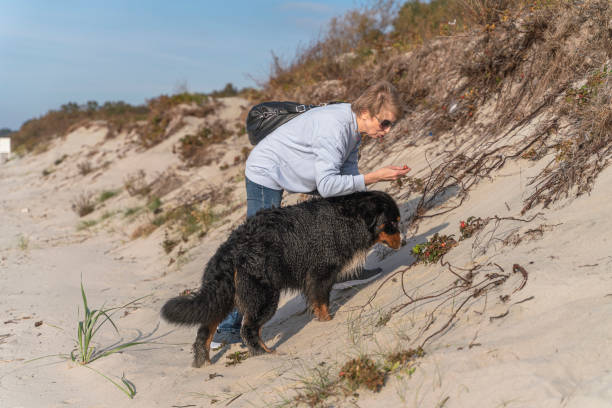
(384, 124)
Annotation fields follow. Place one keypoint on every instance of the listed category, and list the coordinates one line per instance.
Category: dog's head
(382, 216)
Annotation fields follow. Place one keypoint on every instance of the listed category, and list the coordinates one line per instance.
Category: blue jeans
(258, 197)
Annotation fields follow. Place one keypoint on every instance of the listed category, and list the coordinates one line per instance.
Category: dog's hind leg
(201, 346)
(257, 302)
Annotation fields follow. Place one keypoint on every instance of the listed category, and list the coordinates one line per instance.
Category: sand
(546, 344)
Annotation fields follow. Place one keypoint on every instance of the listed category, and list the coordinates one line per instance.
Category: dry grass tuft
(135, 184)
(196, 150)
(83, 204)
(143, 230)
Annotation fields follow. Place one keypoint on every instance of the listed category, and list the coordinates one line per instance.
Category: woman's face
(376, 126)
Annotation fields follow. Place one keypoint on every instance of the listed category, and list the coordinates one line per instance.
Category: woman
(318, 151)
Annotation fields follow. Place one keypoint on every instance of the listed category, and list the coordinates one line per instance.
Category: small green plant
(131, 211)
(107, 215)
(85, 352)
(470, 226)
(415, 184)
(192, 220)
(23, 243)
(93, 320)
(432, 250)
(86, 224)
(402, 358)
(154, 204)
(159, 220)
(236, 358)
(105, 195)
(585, 94)
(46, 172)
(168, 244)
(363, 371)
(317, 388)
(383, 319)
(59, 161)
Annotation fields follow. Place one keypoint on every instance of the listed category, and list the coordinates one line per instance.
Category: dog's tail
(208, 305)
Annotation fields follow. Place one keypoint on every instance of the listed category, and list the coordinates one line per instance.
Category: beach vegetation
(93, 320)
(59, 161)
(85, 224)
(107, 194)
(83, 204)
(128, 212)
(432, 250)
(197, 149)
(84, 167)
(135, 183)
(23, 242)
(154, 205)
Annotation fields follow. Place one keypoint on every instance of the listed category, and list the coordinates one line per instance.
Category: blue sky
(53, 52)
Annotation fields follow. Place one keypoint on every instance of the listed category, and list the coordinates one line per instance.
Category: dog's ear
(377, 223)
(374, 214)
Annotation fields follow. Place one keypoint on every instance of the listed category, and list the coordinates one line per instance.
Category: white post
(5, 149)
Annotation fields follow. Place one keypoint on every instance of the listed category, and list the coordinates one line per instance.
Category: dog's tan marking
(394, 241)
(262, 344)
(212, 328)
(322, 312)
(355, 264)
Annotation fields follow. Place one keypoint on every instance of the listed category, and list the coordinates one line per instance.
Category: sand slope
(546, 344)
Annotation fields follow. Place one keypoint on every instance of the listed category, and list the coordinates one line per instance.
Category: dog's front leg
(318, 297)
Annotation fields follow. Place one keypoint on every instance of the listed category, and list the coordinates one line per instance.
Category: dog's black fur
(303, 247)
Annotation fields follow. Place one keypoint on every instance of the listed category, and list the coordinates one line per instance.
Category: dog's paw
(256, 351)
(197, 363)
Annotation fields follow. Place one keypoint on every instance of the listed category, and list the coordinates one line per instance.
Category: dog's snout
(391, 240)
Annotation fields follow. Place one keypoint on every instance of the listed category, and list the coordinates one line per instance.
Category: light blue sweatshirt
(317, 150)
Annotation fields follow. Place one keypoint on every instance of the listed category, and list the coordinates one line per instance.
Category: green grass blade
(118, 348)
(108, 318)
(84, 297)
(80, 341)
(129, 389)
(129, 385)
(50, 355)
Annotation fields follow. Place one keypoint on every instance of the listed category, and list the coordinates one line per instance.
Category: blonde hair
(376, 97)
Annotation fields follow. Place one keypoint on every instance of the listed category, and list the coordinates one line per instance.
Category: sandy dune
(545, 342)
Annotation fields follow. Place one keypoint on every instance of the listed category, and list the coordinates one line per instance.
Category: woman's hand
(388, 173)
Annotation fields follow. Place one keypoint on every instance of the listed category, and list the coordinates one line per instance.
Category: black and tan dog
(304, 247)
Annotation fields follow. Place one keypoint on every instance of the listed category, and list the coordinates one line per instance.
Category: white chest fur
(354, 264)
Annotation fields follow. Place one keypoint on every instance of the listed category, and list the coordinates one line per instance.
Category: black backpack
(267, 116)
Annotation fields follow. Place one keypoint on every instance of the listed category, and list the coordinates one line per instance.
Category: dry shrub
(363, 371)
(528, 68)
(165, 183)
(484, 11)
(196, 150)
(143, 230)
(83, 204)
(169, 110)
(404, 357)
(353, 39)
(84, 167)
(58, 123)
(135, 184)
